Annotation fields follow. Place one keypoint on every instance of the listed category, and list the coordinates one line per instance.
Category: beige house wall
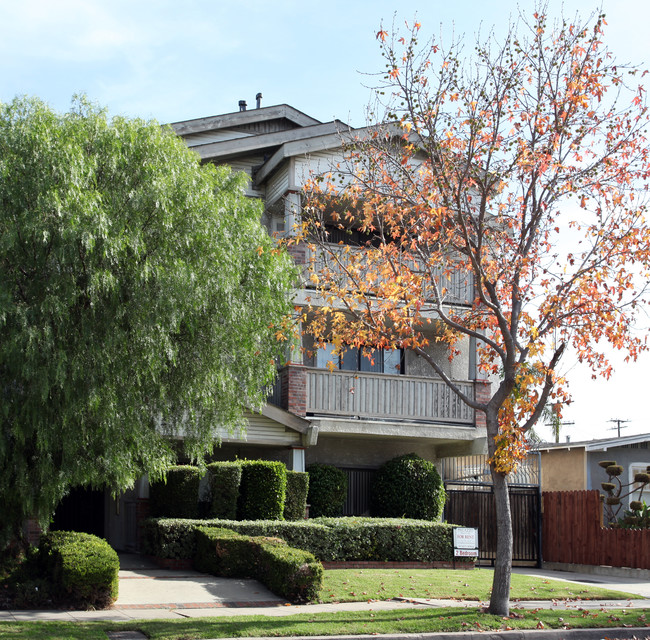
(564, 470)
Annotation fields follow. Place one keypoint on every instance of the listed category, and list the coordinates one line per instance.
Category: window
(638, 467)
(363, 359)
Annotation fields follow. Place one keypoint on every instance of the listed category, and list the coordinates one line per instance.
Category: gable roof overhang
(241, 118)
(226, 149)
(314, 143)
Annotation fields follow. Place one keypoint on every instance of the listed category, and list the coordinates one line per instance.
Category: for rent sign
(466, 542)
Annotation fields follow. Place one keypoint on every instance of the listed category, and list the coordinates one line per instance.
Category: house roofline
(596, 445)
(239, 118)
(225, 149)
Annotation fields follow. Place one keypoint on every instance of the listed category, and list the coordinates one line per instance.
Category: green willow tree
(138, 297)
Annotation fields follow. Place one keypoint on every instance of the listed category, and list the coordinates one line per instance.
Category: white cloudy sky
(178, 60)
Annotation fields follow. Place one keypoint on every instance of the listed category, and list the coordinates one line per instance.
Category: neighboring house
(573, 466)
(360, 415)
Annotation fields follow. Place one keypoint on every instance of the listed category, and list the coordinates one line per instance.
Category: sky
(173, 61)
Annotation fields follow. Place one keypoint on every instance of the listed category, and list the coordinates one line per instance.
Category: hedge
(291, 573)
(262, 490)
(295, 504)
(329, 539)
(287, 572)
(178, 495)
(408, 487)
(223, 552)
(224, 479)
(82, 568)
(328, 488)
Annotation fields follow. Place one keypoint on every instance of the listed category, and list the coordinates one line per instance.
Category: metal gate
(470, 502)
(357, 502)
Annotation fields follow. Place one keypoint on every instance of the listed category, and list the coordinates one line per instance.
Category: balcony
(458, 285)
(395, 397)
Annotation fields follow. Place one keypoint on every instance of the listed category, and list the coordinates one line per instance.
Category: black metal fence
(474, 507)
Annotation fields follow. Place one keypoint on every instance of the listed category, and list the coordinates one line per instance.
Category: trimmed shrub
(291, 573)
(295, 504)
(178, 495)
(224, 479)
(329, 539)
(262, 490)
(223, 552)
(82, 568)
(409, 487)
(328, 488)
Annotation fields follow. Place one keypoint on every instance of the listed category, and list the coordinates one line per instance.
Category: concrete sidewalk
(149, 592)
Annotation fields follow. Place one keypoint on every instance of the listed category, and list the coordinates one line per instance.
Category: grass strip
(427, 620)
(357, 585)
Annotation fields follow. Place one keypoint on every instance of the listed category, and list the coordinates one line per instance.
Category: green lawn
(356, 622)
(355, 585)
(372, 584)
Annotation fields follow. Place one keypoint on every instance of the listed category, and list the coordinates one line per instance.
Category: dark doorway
(81, 510)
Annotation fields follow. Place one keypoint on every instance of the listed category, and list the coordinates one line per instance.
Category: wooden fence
(572, 532)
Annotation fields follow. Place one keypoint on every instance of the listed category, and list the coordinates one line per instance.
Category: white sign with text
(465, 541)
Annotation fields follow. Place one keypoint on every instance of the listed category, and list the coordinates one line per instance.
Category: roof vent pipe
(242, 105)
(258, 97)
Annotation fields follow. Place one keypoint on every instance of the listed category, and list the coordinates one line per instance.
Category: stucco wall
(564, 470)
(363, 453)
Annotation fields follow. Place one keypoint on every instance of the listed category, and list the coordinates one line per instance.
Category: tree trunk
(500, 598)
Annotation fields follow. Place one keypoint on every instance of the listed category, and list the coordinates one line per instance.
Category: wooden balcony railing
(368, 395)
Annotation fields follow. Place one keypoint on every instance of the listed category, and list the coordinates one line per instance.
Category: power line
(618, 427)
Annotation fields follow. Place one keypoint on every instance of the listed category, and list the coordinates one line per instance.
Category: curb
(611, 633)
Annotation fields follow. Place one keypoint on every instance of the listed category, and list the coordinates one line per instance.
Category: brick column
(482, 393)
(32, 531)
(293, 378)
(298, 252)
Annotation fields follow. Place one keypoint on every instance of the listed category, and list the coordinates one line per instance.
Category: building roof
(278, 133)
(595, 445)
(242, 118)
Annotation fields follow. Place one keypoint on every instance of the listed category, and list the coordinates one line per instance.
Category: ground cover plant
(358, 585)
(336, 623)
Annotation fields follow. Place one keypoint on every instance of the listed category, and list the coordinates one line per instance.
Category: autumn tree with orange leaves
(519, 175)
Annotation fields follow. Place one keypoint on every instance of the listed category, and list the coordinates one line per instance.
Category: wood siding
(263, 430)
(277, 185)
(317, 163)
(246, 165)
(347, 393)
(207, 137)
